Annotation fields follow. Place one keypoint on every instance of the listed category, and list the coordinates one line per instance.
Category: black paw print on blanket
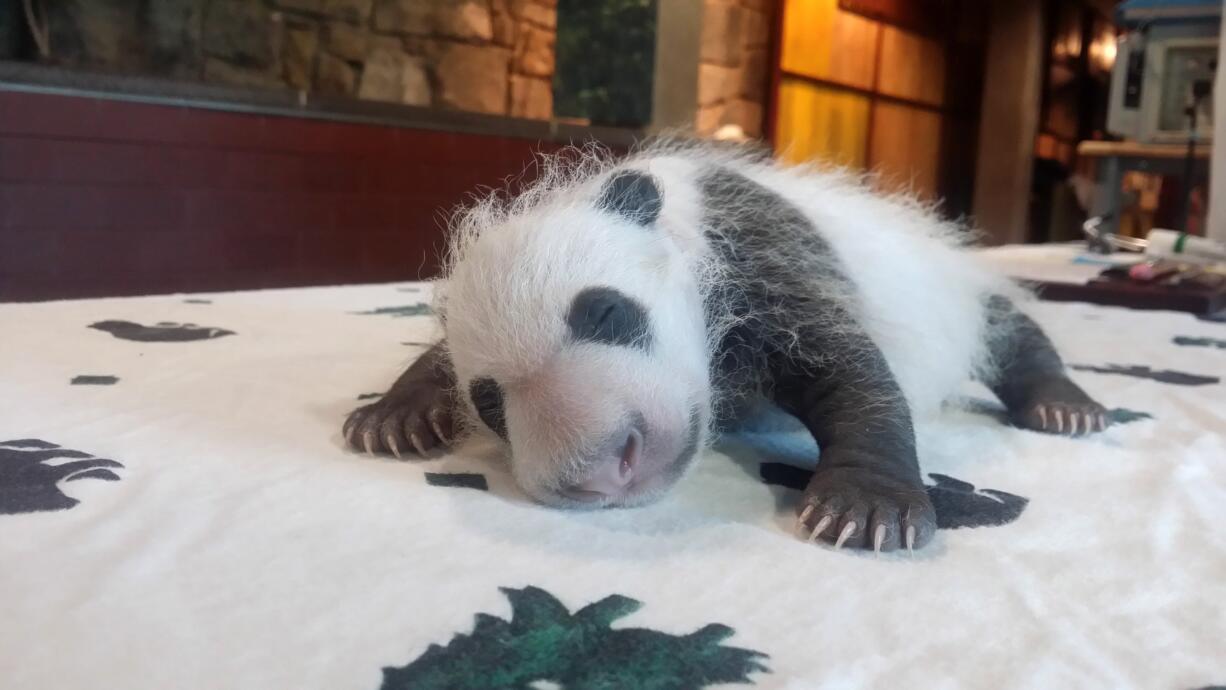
(958, 503)
(1190, 341)
(419, 309)
(164, 332)
(28, 484)
(1178, 378)
(995, 410)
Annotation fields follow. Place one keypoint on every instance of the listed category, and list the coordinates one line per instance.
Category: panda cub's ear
(633, 195)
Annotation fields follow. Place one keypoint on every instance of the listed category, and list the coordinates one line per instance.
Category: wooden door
(882, 86)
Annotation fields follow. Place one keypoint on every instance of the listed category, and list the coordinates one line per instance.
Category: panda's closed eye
(604, 315)
(486, 395)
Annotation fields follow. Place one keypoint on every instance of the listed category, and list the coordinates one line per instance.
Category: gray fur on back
(779, 299)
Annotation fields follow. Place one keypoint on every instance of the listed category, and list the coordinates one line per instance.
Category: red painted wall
(103, 197)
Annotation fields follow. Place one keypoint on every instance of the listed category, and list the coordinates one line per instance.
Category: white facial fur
(505, 304)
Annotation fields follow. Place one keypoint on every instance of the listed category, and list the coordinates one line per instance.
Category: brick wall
(489, 56)
(103, 197)
(734, 65)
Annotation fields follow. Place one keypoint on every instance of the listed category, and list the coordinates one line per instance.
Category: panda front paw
(866, 508)
(420, 420)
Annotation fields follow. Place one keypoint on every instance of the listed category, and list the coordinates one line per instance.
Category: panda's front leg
(418, 414)
(866, 491)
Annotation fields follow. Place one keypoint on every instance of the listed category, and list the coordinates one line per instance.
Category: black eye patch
(486, 395)
(604, 315)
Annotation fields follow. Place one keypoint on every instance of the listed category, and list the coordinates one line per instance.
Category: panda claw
(416, 441)
(804, 515)
(1074, 421)
(1102, 422)
(432, 417)
(878, 539)
(911, 540)
(390, 440)
(1043, 415)
(820, 527)
(368, 441)
(1059, 421)
(848, 530)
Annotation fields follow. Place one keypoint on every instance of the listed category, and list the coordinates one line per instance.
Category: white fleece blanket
(177, 511)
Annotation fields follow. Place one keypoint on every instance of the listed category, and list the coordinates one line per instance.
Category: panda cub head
(573, 318)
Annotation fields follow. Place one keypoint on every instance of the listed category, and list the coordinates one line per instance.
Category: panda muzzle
(614, 469)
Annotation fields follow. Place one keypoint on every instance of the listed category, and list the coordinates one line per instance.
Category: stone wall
(733, 69)
(489, 56)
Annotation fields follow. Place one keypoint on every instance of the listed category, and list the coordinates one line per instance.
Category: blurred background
(188, 145)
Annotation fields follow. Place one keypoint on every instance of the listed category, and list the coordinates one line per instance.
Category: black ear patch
(604, 315)
(486, 395)
(632, 195)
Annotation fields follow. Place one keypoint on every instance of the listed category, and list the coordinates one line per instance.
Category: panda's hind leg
(1030, 378)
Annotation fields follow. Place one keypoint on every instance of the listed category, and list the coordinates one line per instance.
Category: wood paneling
(824, 42)
(922, 16)
(823, 124)
(906, 149)
(856, 92)
(912, 67)
(1012, 82)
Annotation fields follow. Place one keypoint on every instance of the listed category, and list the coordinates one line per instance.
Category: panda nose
(613, 470)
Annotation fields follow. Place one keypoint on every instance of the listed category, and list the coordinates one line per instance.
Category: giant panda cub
(612, 317)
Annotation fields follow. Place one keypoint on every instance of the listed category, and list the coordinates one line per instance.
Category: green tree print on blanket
(543, 641)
